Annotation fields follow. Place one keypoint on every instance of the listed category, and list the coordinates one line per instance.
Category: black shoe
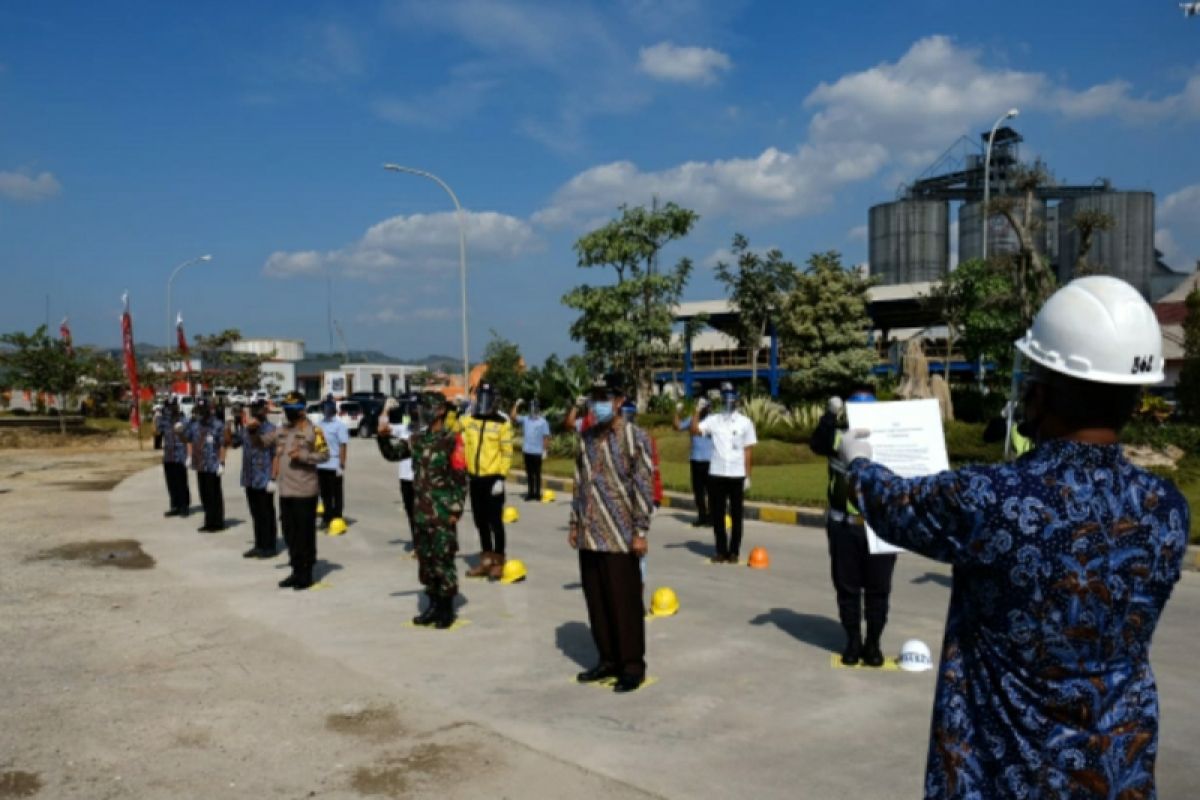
(701, 523)
(428, 616)
(303, 582)
(628, 683)
(595, 674)
(445, 613)
(174, 512)
(852, 653)
(204, 529)
(265, 553)
(732, 558)
(719, 559)
(872, 656)
(289, 581)
(185, 512)
(251, 553)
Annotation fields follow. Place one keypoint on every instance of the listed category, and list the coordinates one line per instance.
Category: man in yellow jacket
(488, 439)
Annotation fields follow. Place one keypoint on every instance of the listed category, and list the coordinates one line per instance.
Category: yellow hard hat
(548, 496)
(664, 603)
(320, 507)
(337, 527)
(510, 515)
(514, 570)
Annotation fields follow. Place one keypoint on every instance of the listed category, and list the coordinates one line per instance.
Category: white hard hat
(1097, 329)
(915, 657)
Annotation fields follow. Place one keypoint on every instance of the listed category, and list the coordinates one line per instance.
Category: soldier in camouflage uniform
(440, 488)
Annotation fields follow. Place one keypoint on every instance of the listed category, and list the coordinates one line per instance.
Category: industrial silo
(1126, 250)
(1002, 238)
(909, 241)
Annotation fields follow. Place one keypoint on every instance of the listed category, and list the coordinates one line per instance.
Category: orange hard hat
(759, 558)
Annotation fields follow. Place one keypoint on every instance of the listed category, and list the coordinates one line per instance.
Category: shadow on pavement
(811, 629)
(934, 577)
(574, 639)
(572, 586)
(703, 549)
(323, 568)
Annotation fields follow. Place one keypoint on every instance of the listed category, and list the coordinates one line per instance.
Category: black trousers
(700, 488)
(863, 582)
(178, 493)
(408, 498)
(212, 498)
(486, 509)
(612, 588)
(298, 518)
(533, 471)
(727, 493)
(331, 487)
(262, 512)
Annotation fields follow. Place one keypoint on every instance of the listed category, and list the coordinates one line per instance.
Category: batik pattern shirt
(1063, 562)
(613, 498)
(174, 444)
(257, 455)
(206, 438)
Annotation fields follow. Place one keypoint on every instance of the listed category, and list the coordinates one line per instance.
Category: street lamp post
(987, 175)
(462, 256)
(171, 280)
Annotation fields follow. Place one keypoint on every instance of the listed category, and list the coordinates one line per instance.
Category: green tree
(505, 368)
(825, 327)
(627, 325)
(758, 288)
(1033, 280)
(221, 366)
(979, 303)
(39, 363)
(1188, 389)
(1088, 222)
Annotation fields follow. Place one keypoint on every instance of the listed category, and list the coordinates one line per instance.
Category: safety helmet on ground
(485, 400)
(513, 571)
(915, 656)
(664, 603)
(548, 495)
(510, 515)
(759, 558)
(1098, 329)
(337, 527)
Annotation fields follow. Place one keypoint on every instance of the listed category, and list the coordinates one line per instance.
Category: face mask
(729, 403)
(603, 409)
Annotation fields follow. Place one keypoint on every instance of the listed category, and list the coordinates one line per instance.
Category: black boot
(304, 579)
(872, 655)
(429, 615)
(289, 581)
(854, 646)
(445, 613)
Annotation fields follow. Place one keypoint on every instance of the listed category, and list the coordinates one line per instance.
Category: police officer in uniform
(174, 460)
(206, 434)
(299, 448)
(863, 581)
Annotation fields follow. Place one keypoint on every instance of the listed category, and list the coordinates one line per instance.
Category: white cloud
(407, 316)
(1172, 253)
(1179, 211)
(667, 61)
(1181, 206)
(28, 188)
(857, 234)
(416, 242)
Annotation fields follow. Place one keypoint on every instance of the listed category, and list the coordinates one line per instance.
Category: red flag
(64, 333)
(135, 419)
(181, 340)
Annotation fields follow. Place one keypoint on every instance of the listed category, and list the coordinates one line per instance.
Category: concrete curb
(763, 512)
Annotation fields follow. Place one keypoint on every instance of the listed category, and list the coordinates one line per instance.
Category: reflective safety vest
(1020, 444)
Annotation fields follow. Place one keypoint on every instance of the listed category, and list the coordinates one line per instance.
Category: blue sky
(136, 135)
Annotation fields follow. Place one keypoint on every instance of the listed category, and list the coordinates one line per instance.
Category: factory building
(909, 238)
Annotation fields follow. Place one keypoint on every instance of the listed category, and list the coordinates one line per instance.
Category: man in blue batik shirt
(174, 460)
(1063, 561)
(257, 440)
(535, 439)
(206, 434)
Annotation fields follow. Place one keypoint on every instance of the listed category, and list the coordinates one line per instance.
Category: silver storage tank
(1126, 251)
(909, 241)
(1002, 239)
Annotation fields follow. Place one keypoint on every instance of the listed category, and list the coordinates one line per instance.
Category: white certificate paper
(907, 438)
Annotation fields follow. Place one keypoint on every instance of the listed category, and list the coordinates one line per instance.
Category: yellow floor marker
(457, 624)
(889, 665)
(320, 585)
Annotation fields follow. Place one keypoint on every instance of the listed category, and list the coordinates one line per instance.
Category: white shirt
(336, 435)
(731, 434)
(403, 431)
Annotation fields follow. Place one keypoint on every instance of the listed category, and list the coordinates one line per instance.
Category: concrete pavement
(746, 702)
